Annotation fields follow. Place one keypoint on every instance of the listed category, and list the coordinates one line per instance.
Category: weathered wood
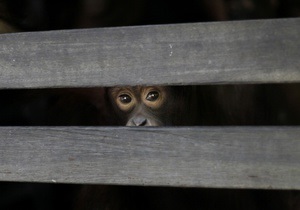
(236, 157)
(259, 51)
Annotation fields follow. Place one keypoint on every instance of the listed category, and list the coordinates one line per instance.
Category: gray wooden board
(229, 157)
(259, 51)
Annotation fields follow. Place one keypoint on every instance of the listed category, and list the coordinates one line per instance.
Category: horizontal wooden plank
(259, 51)
(229, 157)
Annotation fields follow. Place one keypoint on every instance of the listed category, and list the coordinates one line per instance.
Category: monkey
(148, 105)
(181, 105)
(185, 105)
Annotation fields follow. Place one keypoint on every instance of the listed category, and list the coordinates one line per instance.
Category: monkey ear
(113, 118)
(107, 97)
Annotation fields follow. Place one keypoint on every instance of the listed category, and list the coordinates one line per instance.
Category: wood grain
(227, 157)
(259, 51)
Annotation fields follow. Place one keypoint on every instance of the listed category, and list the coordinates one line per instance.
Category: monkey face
(142, 106)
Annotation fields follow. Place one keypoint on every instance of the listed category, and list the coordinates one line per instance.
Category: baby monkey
(144, 105)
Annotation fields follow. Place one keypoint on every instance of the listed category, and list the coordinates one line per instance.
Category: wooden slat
(235, 157)
(261, 51)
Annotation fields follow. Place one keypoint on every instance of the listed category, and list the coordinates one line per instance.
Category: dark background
(36, 15)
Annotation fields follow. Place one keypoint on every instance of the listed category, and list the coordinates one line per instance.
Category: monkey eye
(125, 99)
(152, 96)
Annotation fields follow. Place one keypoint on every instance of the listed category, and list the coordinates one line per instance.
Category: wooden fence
(238, 52)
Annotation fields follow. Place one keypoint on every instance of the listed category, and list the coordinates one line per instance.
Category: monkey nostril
(139, 121)
(143, 123)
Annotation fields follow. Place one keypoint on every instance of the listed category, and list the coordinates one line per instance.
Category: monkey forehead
(132, 89)
(116, 91)
(138, 91)
(152, 87)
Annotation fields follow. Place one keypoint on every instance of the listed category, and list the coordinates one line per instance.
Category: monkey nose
(139, 121)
